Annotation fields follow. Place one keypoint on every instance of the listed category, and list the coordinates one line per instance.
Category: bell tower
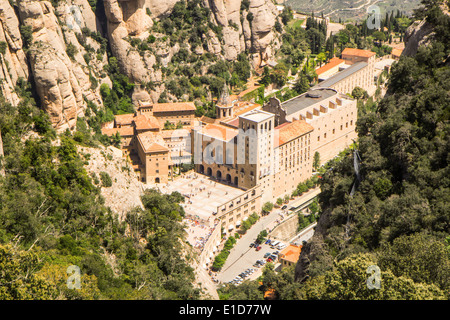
(224, 107)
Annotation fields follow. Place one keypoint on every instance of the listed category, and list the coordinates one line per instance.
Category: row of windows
(334, 130)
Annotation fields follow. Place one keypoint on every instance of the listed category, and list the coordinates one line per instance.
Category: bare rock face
(13, 61)
(264, 16)
(244, 29)
(126, 190)
(160, 8)
(418, 34)
(56, 84)
(62, 83)
(77, 14)
(126, 19)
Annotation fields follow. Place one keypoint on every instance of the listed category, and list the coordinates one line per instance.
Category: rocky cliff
(13, 58)
(54, 45)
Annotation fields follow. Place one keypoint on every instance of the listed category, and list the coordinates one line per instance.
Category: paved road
(242, 256)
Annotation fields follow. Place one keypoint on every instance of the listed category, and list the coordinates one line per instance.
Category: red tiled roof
(358, 52)
(290, 131)
(173, 107)
(143, 122)
(397, 52)
(123, 119)
(152, 142)
(174, 133)
(218, 131)
(234, 123)
(330, 65)
(291, 253)
(123, 131)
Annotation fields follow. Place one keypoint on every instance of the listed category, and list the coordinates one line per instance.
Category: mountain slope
(68, 49)
(400, 213)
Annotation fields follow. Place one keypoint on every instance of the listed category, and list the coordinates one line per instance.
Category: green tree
(348, 281)
(19, 280)
(267, 207)
(302, 84)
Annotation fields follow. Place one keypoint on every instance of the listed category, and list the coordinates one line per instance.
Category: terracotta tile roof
(146, 122)
(243, 107)
(167, 134)
(206, 119)
(291, 253)
(152, 142)
(397, 52)
(173, 107)
(123, 131)
(124, 119)
(290, 131)
(358, 52)
(330, 65)
(234, 123)
(218, 131)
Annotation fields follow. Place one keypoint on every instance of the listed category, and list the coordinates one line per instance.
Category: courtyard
(203, 194)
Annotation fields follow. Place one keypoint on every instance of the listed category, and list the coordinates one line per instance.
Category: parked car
(268, 241)
(274, 244)
(283, 207)
(258, 248)
(276, 252)
(266, 255)
(251, 245)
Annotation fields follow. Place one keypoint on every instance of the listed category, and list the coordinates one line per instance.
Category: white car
(274, 244)
(281, 246)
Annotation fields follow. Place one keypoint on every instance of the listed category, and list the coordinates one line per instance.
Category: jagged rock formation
(244, 29)
(62, 59)
(418, 34)
(63, 83)
(13, 60)
(124, 19)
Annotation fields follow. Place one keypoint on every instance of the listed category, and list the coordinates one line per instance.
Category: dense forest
(399, 216)
(52, 216)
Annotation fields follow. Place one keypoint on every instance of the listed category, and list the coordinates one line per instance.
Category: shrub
(106, 179)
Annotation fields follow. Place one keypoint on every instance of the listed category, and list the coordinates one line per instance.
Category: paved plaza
(203, 194)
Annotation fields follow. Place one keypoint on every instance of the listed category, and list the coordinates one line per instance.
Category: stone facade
(357, 70)
(152, 150)
(332, 115)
